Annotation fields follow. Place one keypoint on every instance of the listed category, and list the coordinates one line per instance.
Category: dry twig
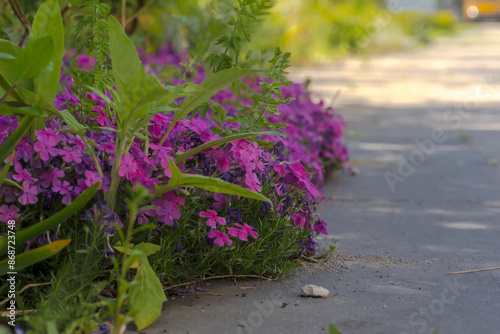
(472, 271)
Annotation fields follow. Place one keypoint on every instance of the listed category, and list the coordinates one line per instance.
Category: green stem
(115, 178)
(121, 289)
(96, 162)
(8, 92)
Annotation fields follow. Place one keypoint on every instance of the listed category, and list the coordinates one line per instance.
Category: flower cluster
(56, 166)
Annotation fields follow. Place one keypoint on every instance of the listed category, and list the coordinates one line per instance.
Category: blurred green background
(313, 30)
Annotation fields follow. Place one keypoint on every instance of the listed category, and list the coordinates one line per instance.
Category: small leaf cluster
(96, 43)
(247, 12)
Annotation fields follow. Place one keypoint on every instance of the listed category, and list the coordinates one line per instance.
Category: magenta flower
(252, 182)
(280, 170)
(30, 194)
(166, 211)
(319, 169)
(45, 145)
(213, 218)
(91, 178)
(9, 194)
(220, 201)
(320, 227)
(22, 175)
(298, 220)
(221, 238)
(242, 233)
(65, 189)
(52, 177)
(9, 212)
(107, 147)
(128, 166)
(71, 155)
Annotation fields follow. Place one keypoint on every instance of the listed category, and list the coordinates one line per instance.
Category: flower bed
(145, 183)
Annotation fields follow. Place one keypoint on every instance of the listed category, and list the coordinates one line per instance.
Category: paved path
(439, 212)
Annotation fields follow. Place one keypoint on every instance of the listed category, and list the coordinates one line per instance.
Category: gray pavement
(438, 213)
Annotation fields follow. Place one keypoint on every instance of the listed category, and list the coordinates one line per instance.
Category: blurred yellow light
(472, 12)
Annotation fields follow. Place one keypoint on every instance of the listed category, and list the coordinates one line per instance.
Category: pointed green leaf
(14, 184)
(12, 140)
(30, 98)
(147, 248)
(71, 121)
(209, 87)
(5, 168)
(48, 23)
(218, 186)
(7, 68)
(5, 109)
(34, 58)
(5, 85)
(175, 171)
(22, 237)
(333, 330)
(146, 295)
(33, 256)
(182, 157)
(215, 185)
(6, 56)
(102, 96)
(124, 57)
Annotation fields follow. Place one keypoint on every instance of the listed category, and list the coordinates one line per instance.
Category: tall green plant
(29, 80)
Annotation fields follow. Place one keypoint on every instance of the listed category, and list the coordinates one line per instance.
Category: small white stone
(314, 291)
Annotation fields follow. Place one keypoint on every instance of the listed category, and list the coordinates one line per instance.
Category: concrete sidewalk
(426, 202)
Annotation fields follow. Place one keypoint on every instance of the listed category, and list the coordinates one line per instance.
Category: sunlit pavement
(424, 133)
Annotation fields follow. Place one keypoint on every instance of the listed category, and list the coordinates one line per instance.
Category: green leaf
(12, 140)
(333, 330)
(5, 168)
(5, 84)
(6, 109)
(182, 157)
(7, 68)
(31, 99)
(215, 185)
(124, 57)
(146, 295)
(136, 89)
(148, 248)
(48, 23)
(14, 184)
(33, 256)
(71, 121)
(209, 87)
(6, 56)
(23, 236)
(34, 58)
(102, 96)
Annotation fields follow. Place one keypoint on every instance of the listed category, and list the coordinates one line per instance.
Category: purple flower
(71, 155)
(242, 233)
(65, 189)
(45, 145)
(9, 212)
(320, 227)
(213, 218)
(252, 182)
(52, 177)
(30, 194)
(128, 166)
(221, 238)
(23, 175)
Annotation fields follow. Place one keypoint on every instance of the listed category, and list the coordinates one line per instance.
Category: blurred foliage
(319, 30)
(312, 30)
